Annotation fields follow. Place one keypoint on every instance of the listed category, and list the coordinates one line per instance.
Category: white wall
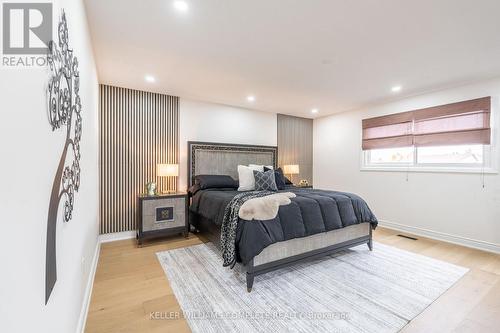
(201, 121)
(454, 204)
(30, 152)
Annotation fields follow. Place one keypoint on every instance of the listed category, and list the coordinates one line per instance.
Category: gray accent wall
(137, 131)
(295, 145)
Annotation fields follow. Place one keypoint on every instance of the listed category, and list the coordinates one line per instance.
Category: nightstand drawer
(163, 214)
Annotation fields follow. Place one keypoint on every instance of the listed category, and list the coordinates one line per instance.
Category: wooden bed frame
(221, 158)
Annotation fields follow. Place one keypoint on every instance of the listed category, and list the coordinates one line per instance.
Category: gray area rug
(352, 291)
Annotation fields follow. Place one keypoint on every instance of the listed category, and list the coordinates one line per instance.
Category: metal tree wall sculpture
(64, 108)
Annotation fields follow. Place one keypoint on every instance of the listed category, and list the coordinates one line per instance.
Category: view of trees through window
(467, 154)
(454, 155)
(391, 155)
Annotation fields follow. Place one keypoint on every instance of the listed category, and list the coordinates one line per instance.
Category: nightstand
(306, 186)
(162, 215)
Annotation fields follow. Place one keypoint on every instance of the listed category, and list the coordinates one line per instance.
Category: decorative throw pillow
(264, 181)
(279, 177)
(246, 178)
(215, 181)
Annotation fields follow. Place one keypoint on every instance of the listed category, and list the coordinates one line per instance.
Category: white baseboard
(441, 236)
(88, 291)
(115, 236)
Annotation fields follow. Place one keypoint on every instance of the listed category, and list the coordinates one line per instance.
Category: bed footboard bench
(290, 252)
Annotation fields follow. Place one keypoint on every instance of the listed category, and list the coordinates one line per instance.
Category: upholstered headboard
(207, 158)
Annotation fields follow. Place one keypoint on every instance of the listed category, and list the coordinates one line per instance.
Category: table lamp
(291, 169)
(167, 170)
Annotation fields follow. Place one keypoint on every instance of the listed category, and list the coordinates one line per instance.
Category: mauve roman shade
(465, 122)
(394, 130)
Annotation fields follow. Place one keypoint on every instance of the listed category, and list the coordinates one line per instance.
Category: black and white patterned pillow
(265, 181)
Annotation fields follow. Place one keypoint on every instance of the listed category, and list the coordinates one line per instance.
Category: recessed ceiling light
(150, 78)
(314, 111)
(181, 6)
(396, 89)
(251, 98)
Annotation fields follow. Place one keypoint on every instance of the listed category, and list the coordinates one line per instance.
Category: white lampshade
(167, 170)
(291, 169)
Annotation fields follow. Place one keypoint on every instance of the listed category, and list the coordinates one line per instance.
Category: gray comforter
(311, 212)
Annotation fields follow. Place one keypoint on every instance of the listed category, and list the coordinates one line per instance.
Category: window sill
(429, 169)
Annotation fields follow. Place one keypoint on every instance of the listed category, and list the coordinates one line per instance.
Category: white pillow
(246, 178)
(260, 167)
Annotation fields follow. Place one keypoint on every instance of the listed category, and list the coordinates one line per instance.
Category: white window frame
(489, 166)
(486, 167)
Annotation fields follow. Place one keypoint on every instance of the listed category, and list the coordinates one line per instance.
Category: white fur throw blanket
(264, 208)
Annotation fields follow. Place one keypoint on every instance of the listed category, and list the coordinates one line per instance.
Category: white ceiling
(295, 55)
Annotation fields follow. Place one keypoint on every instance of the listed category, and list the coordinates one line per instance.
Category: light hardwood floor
(130, 284)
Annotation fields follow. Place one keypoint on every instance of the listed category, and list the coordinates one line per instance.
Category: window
(457, 155)
(394, 156)
(444, 157)
(452, 137)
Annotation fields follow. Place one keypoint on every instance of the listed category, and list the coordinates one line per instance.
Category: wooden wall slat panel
(295, 145)
(137, 131)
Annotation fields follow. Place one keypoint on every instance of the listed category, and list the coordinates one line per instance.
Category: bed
(315, 224)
